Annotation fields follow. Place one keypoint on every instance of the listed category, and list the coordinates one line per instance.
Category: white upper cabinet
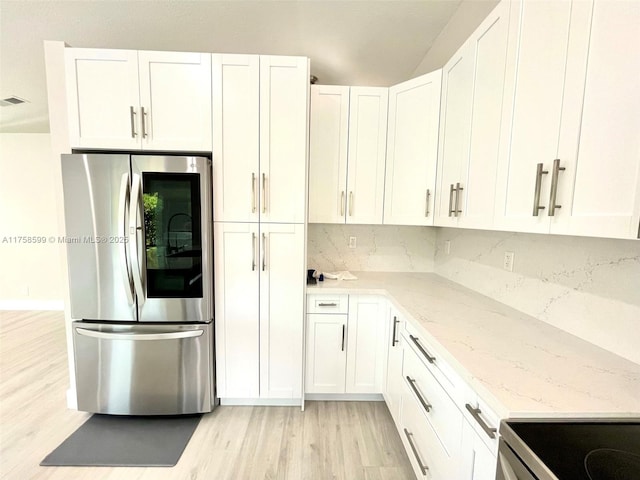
(599, 192)
(103, 98)
(139, 100)
(457, 84)
(236, 137)
(367, 145)
(470, 126)
(347, 154)
(175, 93)
(284, 99)
(328, 142)
(412, 150)
(260, 131)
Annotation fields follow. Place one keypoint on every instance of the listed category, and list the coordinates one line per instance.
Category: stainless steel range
(139, 248)
(605, 449)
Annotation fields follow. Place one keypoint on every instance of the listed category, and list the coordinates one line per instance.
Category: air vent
(9, 101)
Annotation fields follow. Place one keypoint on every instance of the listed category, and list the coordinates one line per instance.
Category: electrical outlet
(352, 242)
(508, 261)
(447, 247)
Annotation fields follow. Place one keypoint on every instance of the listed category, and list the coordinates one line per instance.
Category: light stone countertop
(520, 366)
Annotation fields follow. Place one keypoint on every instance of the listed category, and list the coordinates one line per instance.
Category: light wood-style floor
(330, 440)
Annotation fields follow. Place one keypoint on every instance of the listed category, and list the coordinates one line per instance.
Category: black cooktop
(585, 450)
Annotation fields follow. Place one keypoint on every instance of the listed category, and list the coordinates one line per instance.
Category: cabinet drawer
(327, 303)
(438, 408)
(428, 457)
(483, 420)
(430, 359)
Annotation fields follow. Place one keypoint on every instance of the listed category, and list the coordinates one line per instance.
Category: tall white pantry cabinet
(260, 122)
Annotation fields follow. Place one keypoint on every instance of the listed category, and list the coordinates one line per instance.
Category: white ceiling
(362, 42)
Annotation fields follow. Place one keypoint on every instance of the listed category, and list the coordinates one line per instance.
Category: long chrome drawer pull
(253, 247)
(253, 192)
(394, 338)
(139, 336)
(430, 358)
(132, 115)
(554, 187)
(342, 204)
(144, 123)
(344, 329)
(412, 383)
(457, 207)
(426, 208)
(475, 413)
(327, 304)
(536, 195)
(351, 204)
(423, 468)
(451, 200)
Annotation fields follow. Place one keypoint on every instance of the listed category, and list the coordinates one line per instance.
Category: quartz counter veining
(518, 365)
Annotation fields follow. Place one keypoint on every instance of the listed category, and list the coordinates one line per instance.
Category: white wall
(381, 248)
(31, 272)
(589, 287)
(469, 15)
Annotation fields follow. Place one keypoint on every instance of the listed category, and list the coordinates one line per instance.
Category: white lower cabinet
(345, 352)
(478, 462)
(393, 380)
(446, 429)
(259, 298)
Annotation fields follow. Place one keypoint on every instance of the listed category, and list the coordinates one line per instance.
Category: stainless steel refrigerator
(139, 250)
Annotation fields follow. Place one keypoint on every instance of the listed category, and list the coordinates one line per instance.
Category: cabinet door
(599, 192)
(282, 284)
(326, 353)
(329, 130)
(412, 150)
(236, 130)
(489, 50)
(367, 145)
(478, 463)
(393, 385)
(366, 344)
(284, 98)
(175, 93)
(457, 83)
(534, 87)
(102, 98)
(237, 309)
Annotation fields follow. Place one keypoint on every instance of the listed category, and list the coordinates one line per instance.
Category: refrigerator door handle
(136, 268)
(139, 336)
(123, 210)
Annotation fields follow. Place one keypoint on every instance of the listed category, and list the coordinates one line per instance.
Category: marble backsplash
(589, 287)
(380, 248)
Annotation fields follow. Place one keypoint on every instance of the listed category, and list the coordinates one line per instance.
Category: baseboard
(344, 397)
(72, 399)
(275, 402)
(31, 305)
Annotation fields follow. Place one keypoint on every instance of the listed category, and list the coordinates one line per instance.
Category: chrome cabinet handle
(451, 200)
(136, 268)
(458, 190)
(342, 204)
(475, 413)
(132, 115)
(123, 211)
(344, 329)
(554, 187)
(430, 358)
(423, 468)
(144, 122)
(394, 338)
(327, 304)
(351, 204)
(253, 192)
(264, 252)
(426, 208)
(138, 336)
(264, 193)
(536, 195)
(253, 248)
(412, 383)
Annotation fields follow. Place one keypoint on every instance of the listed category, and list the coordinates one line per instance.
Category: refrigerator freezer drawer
(125, 369)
